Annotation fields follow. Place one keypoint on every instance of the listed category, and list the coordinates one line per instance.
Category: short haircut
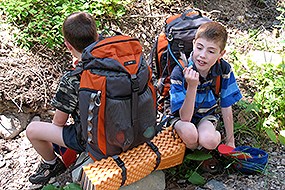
(79, 29)
(213, 31)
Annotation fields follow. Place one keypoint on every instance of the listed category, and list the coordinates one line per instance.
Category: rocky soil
(29, 78)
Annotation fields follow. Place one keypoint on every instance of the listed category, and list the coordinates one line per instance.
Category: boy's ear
(68, 45)
(222, 53)
(193, 41)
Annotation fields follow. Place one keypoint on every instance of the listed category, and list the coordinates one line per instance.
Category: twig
(15, 103)
(214, 11)
(6, 128)
(44, 83)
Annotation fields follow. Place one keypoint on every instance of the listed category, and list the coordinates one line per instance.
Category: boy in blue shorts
(79, 30)
(192, 94)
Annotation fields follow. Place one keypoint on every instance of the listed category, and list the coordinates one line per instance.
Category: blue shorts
(212, 118)
(71, 139)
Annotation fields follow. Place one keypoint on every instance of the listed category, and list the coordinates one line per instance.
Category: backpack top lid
(188, 13)
(189, 21)
(118, 53)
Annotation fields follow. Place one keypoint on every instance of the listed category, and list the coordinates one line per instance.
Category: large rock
(263, 57)
(10, 126)
(154, 181)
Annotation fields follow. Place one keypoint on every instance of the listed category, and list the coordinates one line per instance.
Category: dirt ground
(29, 78)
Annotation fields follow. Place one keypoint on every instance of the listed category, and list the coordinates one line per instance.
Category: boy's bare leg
(209, 137)
(42, 135)
(188, 133)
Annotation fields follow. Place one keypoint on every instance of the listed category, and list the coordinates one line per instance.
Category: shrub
(41, 21)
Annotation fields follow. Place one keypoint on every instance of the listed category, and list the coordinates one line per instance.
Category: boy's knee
(30, 130)
(210, 141)
(187, 132)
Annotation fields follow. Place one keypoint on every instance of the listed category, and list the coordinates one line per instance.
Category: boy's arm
(229, 125)
(187, 109)
(60, 118)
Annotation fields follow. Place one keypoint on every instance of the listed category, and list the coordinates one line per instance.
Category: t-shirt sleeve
(230, 93)
(177, 90)
(66, 97)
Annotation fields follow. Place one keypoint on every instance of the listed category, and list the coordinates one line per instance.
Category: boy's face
(205, 54)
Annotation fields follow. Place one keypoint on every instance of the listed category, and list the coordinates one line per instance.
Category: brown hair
(213, 31)
(79, 29)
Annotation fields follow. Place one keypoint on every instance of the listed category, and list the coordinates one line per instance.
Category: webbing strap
(121, 164)
(184, 59)
(152, 53)
(218, 85)
(135, 95)
(155, 149)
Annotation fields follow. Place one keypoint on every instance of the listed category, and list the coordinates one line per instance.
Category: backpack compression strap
(135, 95)
(156, 151)
(121, 164)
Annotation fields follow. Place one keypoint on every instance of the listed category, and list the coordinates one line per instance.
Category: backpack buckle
(169, 37)
(135, 83)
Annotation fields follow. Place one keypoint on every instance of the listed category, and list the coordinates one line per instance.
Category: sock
(199, 147)
(50, 162)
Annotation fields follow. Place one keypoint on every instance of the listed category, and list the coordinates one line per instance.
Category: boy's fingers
(184, 70)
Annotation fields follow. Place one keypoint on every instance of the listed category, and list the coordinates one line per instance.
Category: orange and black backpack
(173, 47)
(116, 97)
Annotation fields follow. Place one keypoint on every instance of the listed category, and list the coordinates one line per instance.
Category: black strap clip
(121, 164)
(135, 83)
(155, 149)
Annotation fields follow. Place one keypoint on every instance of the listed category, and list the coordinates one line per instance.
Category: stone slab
(154, 181)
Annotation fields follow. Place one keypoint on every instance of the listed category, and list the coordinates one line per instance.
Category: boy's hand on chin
(191, 76)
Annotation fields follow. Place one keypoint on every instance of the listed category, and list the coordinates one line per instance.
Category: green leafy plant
(192, 175)
(270, 99)
(189, 169)
(268, 105)
(108, 8)
(41, 21)
(264, 83)
(71, 186)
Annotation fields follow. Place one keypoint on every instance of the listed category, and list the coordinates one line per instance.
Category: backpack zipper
(119, 41)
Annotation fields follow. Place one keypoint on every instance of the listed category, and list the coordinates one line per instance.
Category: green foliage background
(268, 82)
(40, 21)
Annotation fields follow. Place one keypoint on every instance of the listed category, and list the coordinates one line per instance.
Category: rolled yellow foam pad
(139, 162)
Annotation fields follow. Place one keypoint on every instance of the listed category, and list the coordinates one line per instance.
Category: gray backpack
(173, 47)
(116, 97)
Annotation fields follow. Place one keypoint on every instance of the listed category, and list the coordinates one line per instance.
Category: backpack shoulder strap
(78, 69)
(218, 83)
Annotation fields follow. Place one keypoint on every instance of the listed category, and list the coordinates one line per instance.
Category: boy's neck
(77, 55)
(204, 74)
